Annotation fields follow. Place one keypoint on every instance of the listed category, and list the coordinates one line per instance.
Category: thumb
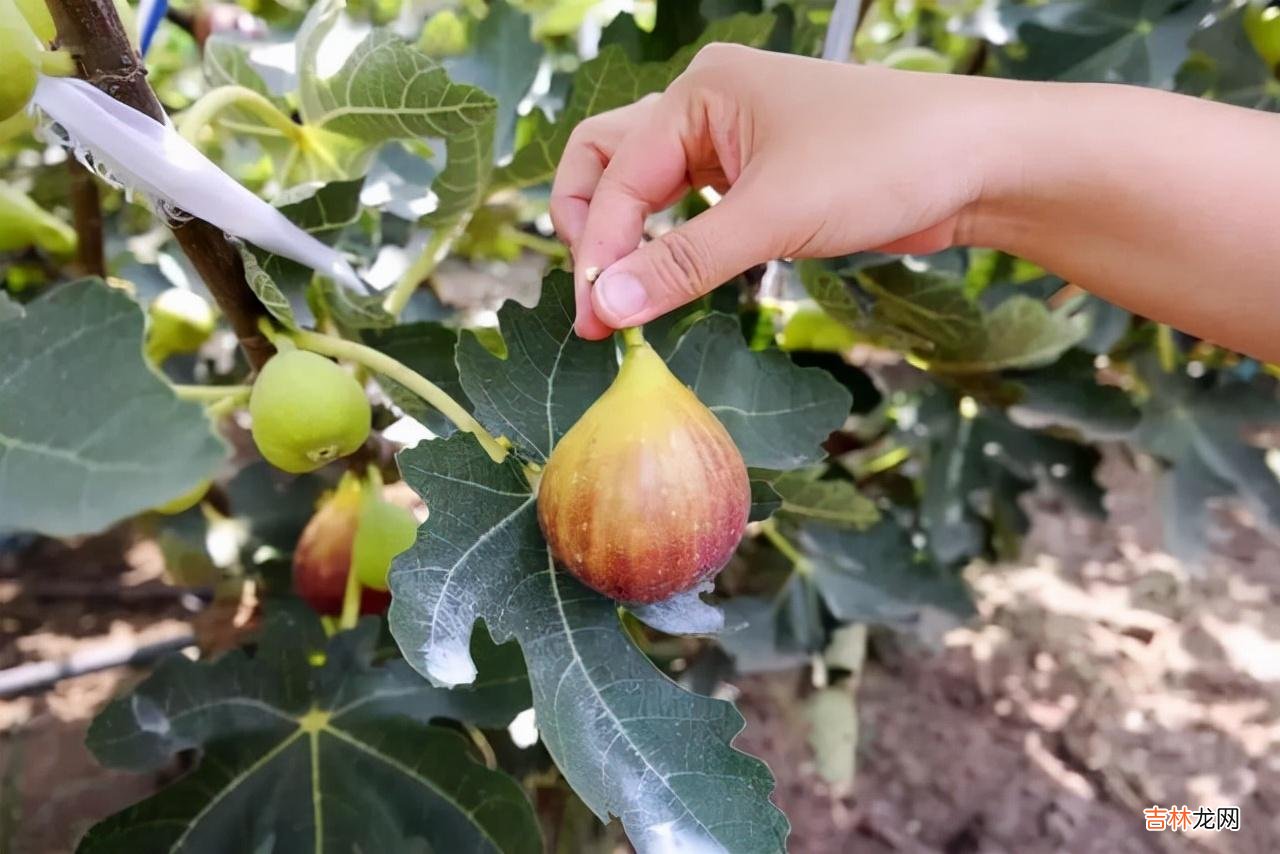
(684, 263)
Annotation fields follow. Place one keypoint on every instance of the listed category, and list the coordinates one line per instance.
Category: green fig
(385, 531)
(23, 223)
(647, 495)
(323, 556)
(307, 411)
(178, 321)
(19, 60)
(185, 501)
(1262, 26)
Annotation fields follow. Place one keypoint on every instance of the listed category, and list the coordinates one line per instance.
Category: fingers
(588, 152)
(686, 262)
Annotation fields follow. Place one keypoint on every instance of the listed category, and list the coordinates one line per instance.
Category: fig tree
(178, 321)
(646, 496)
(307, 411)
(323, 556)
(385, 530)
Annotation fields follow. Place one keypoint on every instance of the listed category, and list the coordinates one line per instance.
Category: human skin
(1164, 204)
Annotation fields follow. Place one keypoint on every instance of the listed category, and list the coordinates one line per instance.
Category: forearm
(1167, 205)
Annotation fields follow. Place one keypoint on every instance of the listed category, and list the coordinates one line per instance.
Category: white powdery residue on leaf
(144, 156)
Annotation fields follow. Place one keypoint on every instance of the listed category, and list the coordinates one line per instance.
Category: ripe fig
(322, 557)
(307, 411)
(385, 531)
(179, 321)
(646, 496)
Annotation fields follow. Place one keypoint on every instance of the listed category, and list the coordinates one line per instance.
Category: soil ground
(1103, 677)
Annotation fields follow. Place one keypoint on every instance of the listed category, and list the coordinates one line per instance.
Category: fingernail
(621, 294)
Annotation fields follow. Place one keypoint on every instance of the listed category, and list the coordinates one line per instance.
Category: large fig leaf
(777, 412)
(89, 434)
(931, 315)
(612, 80)
(333, 757)
(1224, 66)
(1202, 432)
(1110, 41)
(630, 742)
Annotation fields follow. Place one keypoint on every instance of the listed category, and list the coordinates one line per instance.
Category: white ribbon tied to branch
(152, 159)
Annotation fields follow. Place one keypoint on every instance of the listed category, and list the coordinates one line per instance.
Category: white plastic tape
(152, 159)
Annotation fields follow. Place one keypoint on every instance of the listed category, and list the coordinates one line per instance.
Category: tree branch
(86, 214)
(92, 31)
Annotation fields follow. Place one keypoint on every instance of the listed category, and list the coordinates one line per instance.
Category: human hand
(813, 158)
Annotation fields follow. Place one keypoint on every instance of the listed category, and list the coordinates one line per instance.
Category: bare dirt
(1103, 677)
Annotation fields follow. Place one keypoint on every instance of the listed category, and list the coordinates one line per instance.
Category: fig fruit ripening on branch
(385, 531)
(323, 556)
(647, 495)
(307, 411)
(179, 321)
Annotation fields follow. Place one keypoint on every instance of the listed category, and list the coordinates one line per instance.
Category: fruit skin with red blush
(322, 557)
(646, 496)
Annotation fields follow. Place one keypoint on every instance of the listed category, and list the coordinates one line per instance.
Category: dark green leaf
(1112, 41)
(778, 413)
(629, 741)
(296, 757)
(89, 434)
(877, 576)
(832, 502)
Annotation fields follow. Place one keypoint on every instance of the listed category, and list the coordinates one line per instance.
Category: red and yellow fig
(646, 496)
(323, 556)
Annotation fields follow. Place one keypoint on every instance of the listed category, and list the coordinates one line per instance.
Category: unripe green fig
(23, 223)
(385, 531)
(918, 59)
(646, 496)
(307, 411)
(1262, 26)
(19, 60)
(185, 501)
(323, 555)
(178, 321)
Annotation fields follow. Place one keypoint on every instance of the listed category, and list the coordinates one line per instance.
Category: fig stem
(350, 601)
(432, 254)
(210, 393)
(381, 363)
(206, 109)
(788, 550)
(633, 336)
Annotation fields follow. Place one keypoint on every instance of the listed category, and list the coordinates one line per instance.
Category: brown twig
(92, 31)
(86, 214)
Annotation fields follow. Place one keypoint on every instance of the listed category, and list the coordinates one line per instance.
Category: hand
(813, 159)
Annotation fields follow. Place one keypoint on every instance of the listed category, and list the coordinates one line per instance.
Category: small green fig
(385, 531)
(1262, 26)
(307, 411)
(19, 60)
(646, 496)
(323, 555)
(178, 321)
(23, 223)
(185, 501)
